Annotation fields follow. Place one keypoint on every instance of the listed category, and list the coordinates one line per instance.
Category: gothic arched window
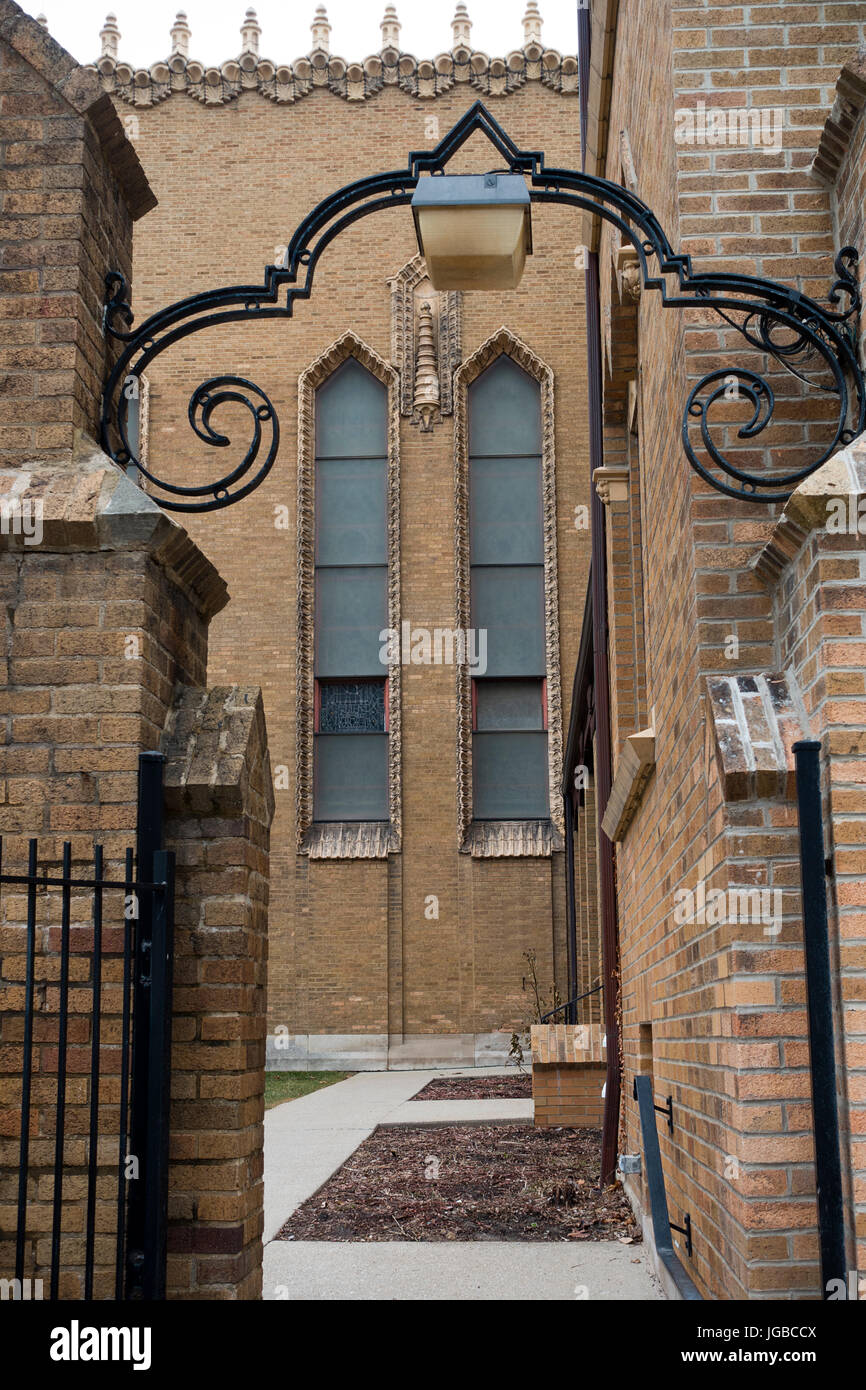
(506, 558)
(350, 756)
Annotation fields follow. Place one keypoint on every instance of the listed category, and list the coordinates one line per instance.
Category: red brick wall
(725, 1003)
(569, 1094)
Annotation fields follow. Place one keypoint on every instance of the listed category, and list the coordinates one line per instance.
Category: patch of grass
(289, 1085)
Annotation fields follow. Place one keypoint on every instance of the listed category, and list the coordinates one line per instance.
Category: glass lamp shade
(474, 230)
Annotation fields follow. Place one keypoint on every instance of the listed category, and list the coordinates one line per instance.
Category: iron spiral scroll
(205, 401)
(803, 342)
(811, 341)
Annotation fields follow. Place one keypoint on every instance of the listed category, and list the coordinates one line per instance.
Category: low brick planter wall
(568, 1071)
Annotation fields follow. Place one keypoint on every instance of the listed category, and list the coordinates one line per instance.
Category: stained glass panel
(352, 707)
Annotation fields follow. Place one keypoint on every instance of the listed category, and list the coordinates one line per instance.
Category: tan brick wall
(820, 602)
(65, 220)
(79, 707)
(842, 658)
(351, 948)
(220, 802)
(568, 1074)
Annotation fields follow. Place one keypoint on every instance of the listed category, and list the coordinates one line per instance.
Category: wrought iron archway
(805, 338)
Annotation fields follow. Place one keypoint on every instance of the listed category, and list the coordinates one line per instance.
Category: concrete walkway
(307, 1140)
(464, 1270)
(461, 1112)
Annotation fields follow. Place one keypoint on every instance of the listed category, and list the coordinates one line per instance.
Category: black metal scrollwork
(808, 341)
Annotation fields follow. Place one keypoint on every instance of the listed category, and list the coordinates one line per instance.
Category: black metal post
(819, 998)
(139, 1256)
(570, 910)
(95, 1041)
(62, 1037)
(123, 1140)
(159, 1077)
(27, 1069)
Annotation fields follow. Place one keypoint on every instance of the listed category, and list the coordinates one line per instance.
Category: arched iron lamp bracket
(813, 343)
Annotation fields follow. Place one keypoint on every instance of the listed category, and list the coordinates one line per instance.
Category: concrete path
(307, 1140)
(462, 1270)
(460, 1112)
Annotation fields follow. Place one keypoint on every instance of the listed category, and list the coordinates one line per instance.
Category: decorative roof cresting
(353, 81)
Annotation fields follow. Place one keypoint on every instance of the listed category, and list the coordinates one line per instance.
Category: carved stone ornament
(628, 277)
(412, 296)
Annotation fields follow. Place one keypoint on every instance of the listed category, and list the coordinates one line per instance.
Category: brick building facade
(732, 629)
(404, 940)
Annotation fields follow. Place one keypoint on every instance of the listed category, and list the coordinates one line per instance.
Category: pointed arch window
(350, 754)
(506, 571)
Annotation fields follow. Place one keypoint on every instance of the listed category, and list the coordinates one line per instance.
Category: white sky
(496, 26)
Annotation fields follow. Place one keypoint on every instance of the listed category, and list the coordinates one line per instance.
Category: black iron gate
(94, 1028)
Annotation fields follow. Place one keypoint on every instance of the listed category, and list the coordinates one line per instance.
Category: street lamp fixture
(474, 230)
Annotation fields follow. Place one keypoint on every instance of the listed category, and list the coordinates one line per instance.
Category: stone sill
(512, 839)
(636, 763)
(350, 840)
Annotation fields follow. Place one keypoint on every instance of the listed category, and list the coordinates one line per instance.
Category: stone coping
(88, 503)
(633, 771)
(840, 124)
(286, 83)
(561, 1044)
(841, 480)
(756, 720)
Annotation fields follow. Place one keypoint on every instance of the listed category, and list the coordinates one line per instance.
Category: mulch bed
(468, 1182)
(514, 1087)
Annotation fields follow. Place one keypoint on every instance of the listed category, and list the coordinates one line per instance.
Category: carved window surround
(497, 839)
(350, 839)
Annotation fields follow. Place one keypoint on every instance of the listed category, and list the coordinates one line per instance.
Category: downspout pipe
(819, 1002)
(601, 679)
(570, 908)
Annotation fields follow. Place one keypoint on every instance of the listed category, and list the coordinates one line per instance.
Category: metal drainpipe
(603, 778)
(819, 998)
(570, 909)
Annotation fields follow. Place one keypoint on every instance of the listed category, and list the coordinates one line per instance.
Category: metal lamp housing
(474, 230)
